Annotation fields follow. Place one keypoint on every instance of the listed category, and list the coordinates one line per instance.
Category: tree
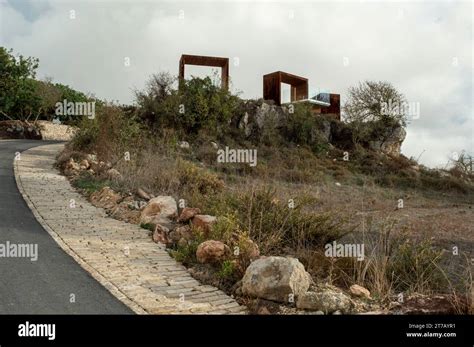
(49, 95)
(18, 99)
(462, 163)
(375, 101)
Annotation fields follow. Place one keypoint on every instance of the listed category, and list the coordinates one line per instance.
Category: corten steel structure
(201, 60)
(299, 92)
(272, 86)
(334, 109)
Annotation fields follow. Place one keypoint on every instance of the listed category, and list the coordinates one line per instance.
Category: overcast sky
(423, 48)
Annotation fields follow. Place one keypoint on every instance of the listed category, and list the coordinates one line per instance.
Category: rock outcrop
(389, 141)
(259, 114)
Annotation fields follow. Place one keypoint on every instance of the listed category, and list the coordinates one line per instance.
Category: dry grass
(255, 202)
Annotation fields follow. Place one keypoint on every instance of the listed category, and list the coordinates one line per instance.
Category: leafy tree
(17, 86)
(49, 95)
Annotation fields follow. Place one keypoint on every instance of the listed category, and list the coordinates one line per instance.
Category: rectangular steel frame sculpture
(201, 60)
(272, 86)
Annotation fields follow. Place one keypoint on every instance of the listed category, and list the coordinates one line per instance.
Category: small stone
(92, 158)
(263, 311)
(160, 234)
(84, 164)
(142, 194)
(204, 221)
(359, 291)
(72, 168)
(114, 174)
(179, 233)
(105, 198)
(184, 145)
(212, 251)
(188, 213)
(325, 298)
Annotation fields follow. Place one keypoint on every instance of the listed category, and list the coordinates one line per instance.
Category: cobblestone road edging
(119, 255)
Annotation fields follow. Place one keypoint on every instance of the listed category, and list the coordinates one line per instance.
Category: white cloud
(411, 45)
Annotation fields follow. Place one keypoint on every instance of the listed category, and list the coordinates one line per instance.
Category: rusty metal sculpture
(299, 92)
(201, 60)
(272, 86)
(333, 108)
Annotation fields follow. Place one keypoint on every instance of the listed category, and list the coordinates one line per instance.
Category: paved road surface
(43, 286)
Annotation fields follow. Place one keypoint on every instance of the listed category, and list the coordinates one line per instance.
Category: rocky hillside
(287, 211)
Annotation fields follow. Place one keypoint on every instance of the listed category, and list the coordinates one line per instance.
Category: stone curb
(152, 300)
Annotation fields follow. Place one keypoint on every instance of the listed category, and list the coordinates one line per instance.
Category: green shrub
(415, 267)
(111, 130)
(197, 104)
(89, 183)
(272, 224)
(194, 178)
(227, 269)
(186, 253)
(85, 139)
(224, 228)
(300, 125)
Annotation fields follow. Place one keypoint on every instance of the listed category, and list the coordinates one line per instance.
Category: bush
(197, 104)
(416, 267)
(90, 184)
(186, 253)
(111, 131)
(17, 85)
(272, 224)
(227, 270)
(300, 126)
(196, 179)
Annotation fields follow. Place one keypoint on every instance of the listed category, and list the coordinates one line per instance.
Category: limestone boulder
(325, 298)
(212, 251)
(276, 278)
(159, 210)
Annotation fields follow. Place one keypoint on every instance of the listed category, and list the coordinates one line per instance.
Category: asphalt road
(43, 286)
